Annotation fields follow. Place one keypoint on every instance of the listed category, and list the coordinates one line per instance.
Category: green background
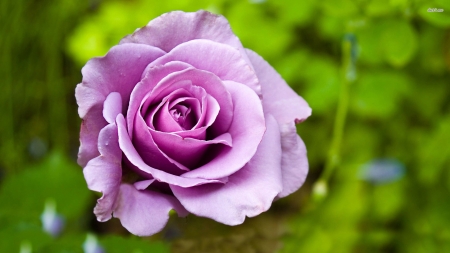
(376, 74)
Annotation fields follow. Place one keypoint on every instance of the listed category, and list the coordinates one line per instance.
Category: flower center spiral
(181, 114)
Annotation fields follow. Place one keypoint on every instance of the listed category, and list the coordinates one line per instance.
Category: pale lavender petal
(104, 173)
(278, 98)
(118, 71)
(174, 28)
(294, 162)
(246, 130)
(145, 213)
(249, 192)
(135, 159)
(91, 125)
(224, 61)
(112, 107)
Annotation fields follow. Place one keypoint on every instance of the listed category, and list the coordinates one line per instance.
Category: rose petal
(149, 152)
(91, 125)
(206, 115)
(153, 76)
(118, 71)
(249, 192)
(278, 98)
(174, 28)
(112, 107)
(104, 173)
(160, 118)
(294, 162)
(142, 185)
(145, 213)
(246, 130)
(186, 151)
(224, 61)
(135, 159)
(189, 78)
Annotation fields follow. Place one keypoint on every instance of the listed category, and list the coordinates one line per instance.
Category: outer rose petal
(278, 98)
(294, 162)
(91, 125)
(174, 28)
(145, 213)
(104, 173)
(282, 102)
(118, 71)
(249, 192)
(224, 61)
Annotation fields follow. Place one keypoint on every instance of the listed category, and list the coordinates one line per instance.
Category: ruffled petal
(145, 213)
(174, 28)
(90, 128)
(278, 98)
(249, 192)
(246, 130)
(104, 173)
(294, 162)
(135, 159)
(118, 71)
(224, 61)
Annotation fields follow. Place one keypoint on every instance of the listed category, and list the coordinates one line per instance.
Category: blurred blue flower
(91, 245)
(52, 222)
(382, 171)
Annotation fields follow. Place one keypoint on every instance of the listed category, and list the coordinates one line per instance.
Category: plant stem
(347, 77)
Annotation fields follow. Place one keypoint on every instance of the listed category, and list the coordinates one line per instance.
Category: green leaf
(298, 12)
(441, 19)
(434, 153)
(23, 195)
(377, 94)
(369, 43)
(388, 200)
(117, 244)
(340, 8)
(399, 42)
(259, 31)
(379, 8)
(432, 49)
(322, 84)
(22, 234)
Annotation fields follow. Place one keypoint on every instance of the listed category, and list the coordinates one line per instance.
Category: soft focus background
(376, 74)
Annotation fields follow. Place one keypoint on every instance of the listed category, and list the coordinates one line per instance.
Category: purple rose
(180, 116)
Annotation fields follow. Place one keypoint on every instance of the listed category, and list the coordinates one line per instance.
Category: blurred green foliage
(399, 106)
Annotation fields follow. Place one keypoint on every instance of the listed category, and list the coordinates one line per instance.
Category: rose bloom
(180, 116)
